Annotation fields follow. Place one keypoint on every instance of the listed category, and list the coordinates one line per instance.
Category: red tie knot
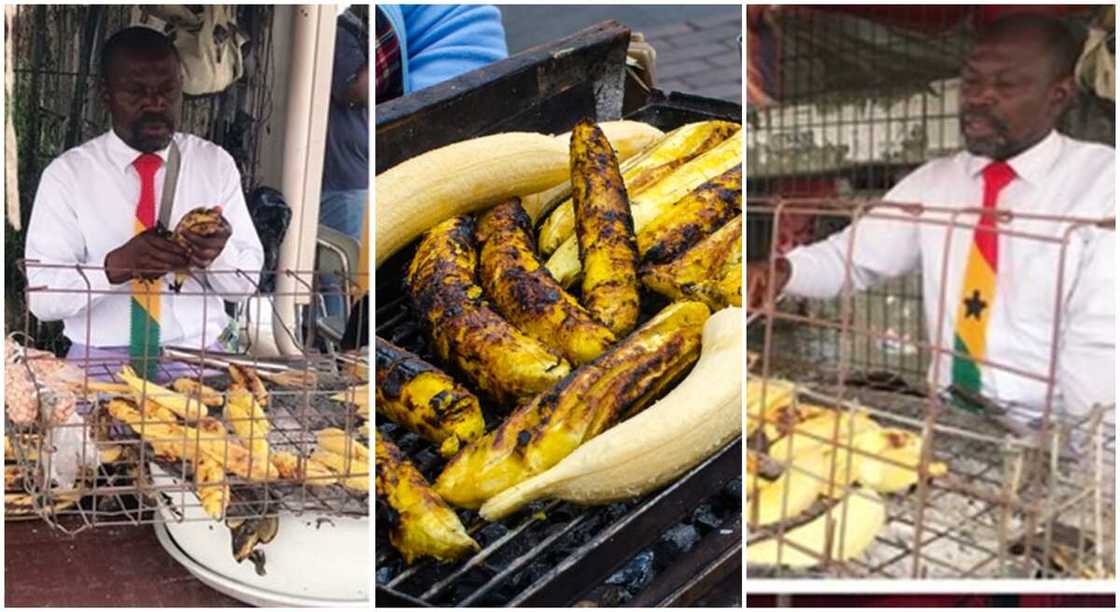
(997, 175)
(147, 164)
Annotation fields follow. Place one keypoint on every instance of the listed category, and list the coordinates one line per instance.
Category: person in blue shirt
(418, 46)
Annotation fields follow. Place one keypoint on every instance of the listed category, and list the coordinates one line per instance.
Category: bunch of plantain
(472, 175)
(710, 271)
(503, 361)
(638, 173)
(423, 399)
(541, 432)
(650, 203)
(421, 523)
(695, 419)
(696, 216)
(608, 247)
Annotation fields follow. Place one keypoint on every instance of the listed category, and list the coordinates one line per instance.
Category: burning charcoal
(605, 596)
(733, 491)
(491, 532)
(615, 511)
(705, 517)
(636, 574)
(678, 540)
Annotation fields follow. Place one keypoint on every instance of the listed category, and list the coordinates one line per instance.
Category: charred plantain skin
(593, 398)
(423, 399)
(604, 231)
(526, 294)
(499, 358)
(711, 271)
(200, 221)
(422, 524)
(693, 218)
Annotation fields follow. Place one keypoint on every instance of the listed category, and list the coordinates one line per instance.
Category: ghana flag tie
(978, 290)
(143, 338)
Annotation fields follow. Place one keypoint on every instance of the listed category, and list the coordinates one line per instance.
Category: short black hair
(1060, 41)
(135, 39)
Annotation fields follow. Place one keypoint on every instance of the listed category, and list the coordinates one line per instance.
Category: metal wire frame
(1024, 482)
(144, 487)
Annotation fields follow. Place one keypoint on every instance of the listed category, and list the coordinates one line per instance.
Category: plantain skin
(423, 399)
(608, 247)
(710, 271)
(526, 294)
(500, 359)
(593, 398)
(693, 218)
(422, 525)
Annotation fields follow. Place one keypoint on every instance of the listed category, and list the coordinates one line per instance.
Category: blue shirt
(346, 165)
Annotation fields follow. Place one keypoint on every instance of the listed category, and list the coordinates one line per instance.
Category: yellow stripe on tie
(975, 307)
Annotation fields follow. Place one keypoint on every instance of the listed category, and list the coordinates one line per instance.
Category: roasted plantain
(247, 377)
(202, 222)
(197, 390)
(692, 218)
(421, 524)
(213, 488)
(711, 271)
(608, 247)
(593, 398)
(421, 398)
(499, 358)
(526, 294)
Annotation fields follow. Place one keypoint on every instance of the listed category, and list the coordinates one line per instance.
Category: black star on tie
(974, 306)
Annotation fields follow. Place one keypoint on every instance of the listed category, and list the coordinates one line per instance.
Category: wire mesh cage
(214, 432)
(931, 484)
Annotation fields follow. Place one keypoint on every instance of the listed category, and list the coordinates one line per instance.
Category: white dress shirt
(86, 206)
(1058, 176)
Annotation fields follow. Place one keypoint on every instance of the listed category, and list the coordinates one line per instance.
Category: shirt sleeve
(445, 41)
(881, 249)
(243, 251)
(55, 248)
(1087, 351)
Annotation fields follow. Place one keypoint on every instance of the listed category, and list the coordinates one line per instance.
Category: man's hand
(759, 281)
(147, 255)
(205, 249)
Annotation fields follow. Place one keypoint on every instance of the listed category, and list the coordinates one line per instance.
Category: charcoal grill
(554, 553)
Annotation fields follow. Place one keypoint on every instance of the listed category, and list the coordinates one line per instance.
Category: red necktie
(143, 341)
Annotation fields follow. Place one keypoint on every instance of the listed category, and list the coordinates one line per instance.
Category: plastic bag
(271, 216)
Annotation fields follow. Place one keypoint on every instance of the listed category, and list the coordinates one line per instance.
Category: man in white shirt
(1016, 83)
(93, 230)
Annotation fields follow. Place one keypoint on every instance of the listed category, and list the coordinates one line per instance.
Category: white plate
(315, 559)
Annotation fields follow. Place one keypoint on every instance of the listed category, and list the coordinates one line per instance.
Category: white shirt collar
(1032, 165)
(123, 155)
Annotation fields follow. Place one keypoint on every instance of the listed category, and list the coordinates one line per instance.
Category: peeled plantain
(499, 358)
(608, 247)
(203, 222)
(213, 488)
(196, 390)
(526, 294)
(854, 524)
(638, 173)
(423, 399)
(421, 523)
(187, 408)
(548, 428)
(693, 218)
(691, 276)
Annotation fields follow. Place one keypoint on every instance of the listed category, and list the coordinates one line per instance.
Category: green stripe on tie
(966, 375)
(143, 347)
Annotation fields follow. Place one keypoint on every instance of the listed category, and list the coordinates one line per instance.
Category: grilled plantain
(526, 294)
(197, 390)
(421, 398)
(693, 218)
(202, 222)
(247, 377)
(711, 271)
(593, 398)
(249, 422)
(499, 358)
(421, 524)
(213, 488)
(608, 247)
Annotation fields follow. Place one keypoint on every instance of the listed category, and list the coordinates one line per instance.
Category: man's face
(144, 96)
(1010, 96)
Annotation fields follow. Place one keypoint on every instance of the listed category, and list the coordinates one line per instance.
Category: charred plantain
(693, 218)
(203, 222)
(592, 399)
(711, 271)
(499, 358)
(423, 399)
(608, 247)
(422, 525)
(526, 294)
